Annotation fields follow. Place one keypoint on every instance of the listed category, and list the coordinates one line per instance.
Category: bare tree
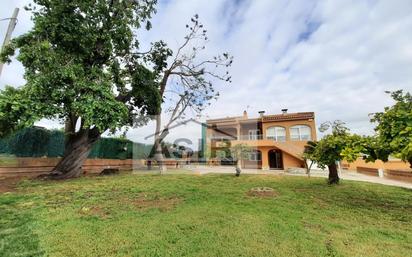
(186, 80)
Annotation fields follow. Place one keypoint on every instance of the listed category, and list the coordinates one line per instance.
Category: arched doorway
(275, 159)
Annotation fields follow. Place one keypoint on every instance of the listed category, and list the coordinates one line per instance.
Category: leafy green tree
(328, 151)
(16, 110)
(370, 148)
(82, 67)
(394, 128)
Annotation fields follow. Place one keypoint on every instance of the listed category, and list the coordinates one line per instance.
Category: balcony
(251, 137)
(262, 137)
(222, 138)
(248, 138)
(242, 137)
(258, 140)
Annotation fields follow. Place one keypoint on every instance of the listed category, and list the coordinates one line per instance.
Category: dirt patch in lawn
(94, 211)
(144, 202)
(263, 192)
(9, 184)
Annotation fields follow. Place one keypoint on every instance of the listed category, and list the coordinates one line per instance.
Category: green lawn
(188, 215)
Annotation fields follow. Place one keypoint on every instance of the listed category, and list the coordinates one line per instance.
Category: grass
(212, 215)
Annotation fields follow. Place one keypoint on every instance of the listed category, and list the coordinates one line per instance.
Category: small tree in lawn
(327, 151)
(187, 80)
(82, 67)
(239, 153)
(308, 156)
(394, 128)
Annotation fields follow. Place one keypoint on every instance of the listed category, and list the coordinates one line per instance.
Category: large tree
(82, 67)
(186, 82)
(331, 148)
(394, 127)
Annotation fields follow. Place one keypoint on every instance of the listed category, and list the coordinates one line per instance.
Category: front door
(275, 159)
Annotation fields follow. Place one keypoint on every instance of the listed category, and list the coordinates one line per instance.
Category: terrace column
(238, 132)
(265, 158)
(287, 128)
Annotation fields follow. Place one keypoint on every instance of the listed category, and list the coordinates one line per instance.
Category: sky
(335, 58)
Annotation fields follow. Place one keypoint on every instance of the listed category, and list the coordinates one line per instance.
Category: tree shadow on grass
(16, 234)
(360, 196)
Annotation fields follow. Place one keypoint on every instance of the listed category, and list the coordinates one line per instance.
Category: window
(253, 134)
(300, 133)
(254, 156)
(276, 133)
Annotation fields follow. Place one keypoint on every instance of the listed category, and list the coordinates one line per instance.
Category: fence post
(380, 173)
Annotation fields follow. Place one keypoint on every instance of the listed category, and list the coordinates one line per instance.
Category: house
(276, 141)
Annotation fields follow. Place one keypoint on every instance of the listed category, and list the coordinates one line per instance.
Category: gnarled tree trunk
(159, 136)
(238, 167)
(333, 174)
(159, 156)
(77, 149)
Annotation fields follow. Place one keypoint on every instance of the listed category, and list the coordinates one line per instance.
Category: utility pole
(12, 25)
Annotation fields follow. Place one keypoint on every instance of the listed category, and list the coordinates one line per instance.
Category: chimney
(261, 113)
(284, 111)
(245, 114)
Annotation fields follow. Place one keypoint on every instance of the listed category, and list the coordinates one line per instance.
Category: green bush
(38, 142)
(141, 151)
(29, 142)
(4, 145)
(112, 148)
(55, 147)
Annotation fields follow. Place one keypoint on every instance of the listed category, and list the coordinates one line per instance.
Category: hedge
(40, 142)
(55, 148)
(29, 142)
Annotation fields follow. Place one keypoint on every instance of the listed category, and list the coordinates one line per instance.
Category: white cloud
(335, 58)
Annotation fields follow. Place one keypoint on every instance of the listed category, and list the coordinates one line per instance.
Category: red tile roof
(290, 116)
(266, 118)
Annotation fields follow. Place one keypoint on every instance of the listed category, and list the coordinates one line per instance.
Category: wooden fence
(36, 166)
(401, 175)
(13, 167)
(404, 175)
(393, 169)
(367, 171)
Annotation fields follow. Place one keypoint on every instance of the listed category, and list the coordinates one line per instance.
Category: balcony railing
(249, 138)
(223, 138)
